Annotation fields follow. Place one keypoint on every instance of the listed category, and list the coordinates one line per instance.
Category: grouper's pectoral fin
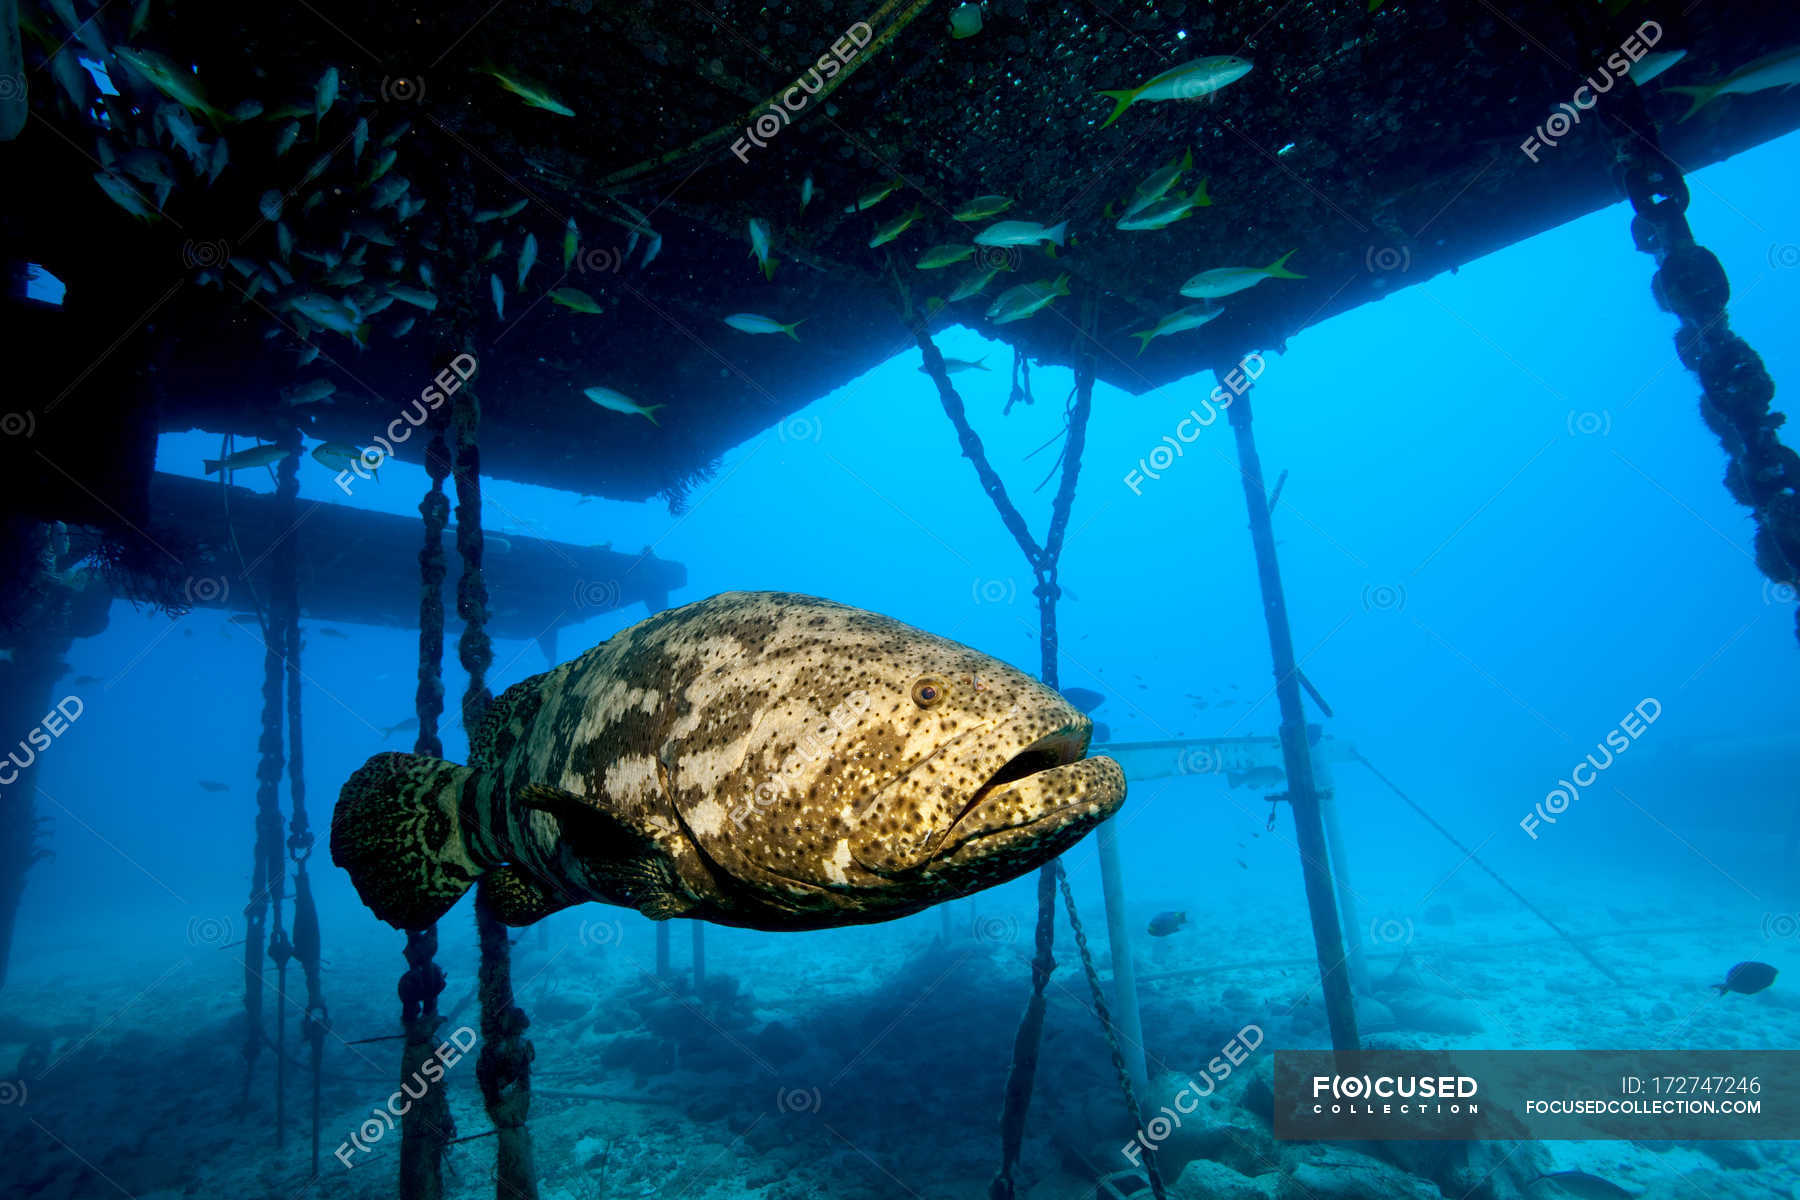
(518, 898)
(626, 861)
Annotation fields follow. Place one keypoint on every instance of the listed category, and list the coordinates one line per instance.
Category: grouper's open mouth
(1041, 801)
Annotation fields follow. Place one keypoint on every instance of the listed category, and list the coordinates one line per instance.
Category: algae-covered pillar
(44, 606)
(1296, 754)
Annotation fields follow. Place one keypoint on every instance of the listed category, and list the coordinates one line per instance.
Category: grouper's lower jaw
(1025, 823)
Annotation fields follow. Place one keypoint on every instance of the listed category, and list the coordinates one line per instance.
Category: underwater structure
(434, 232)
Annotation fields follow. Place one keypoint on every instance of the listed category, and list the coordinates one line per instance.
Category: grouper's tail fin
(398, 831)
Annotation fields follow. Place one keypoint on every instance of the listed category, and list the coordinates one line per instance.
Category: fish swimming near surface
(944, 256)
(976, 281)
(619, 402)
(1191, 317)
(757, 323)
(213, 785)
(1022, 233)
(953, 366)
(1017, 303)
(1189, 81)
(1747, 978)
(255, 456)
(342, 456)
(759, 245)
(328, 631)
(575, 300)
(981, 208)
(531, 94)
(1652, 65)
(1158, 185)
(896, 227)
(1086, 699)
(1220, 282)
(759, 759)
(1778, 70)
(183, 87)
(1165, 923)
(1160, 214)
(875, 195)
(527, 258)
(313, 391)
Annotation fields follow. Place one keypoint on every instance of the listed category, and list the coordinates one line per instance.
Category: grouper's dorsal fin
(507, 718)
(626, 861)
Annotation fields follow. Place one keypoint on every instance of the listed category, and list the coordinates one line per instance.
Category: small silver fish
(325, 94)
(527, 257)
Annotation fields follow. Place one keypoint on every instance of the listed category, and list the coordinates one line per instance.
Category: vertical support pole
(662, 949)
(699, 955)
(1124, 967)
(1296, 755)
(1340, 874)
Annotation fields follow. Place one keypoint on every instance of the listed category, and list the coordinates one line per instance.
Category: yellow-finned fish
(875, 195)
(1778, 70)
(1167, 211)
(618, 402)
(575, 299)
(896, 227)
(1022, 233)
(759, 246)
(1226, 281)
(341, 456)
(981, 208)
(183, 87)
(944, 256)
(1158, 185)
(976, 282)
(1017, 303)
(243, 460)
(1189, 81)
(1191, 317)
(954, 366)
(531, 94)
(756, 323)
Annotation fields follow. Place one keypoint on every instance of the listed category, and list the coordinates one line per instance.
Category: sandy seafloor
(860, 1064)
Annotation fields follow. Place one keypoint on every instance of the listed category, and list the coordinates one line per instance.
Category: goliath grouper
(759, 759)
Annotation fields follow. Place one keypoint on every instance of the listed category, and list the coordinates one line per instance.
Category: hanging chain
(1736, 390)
(1106, 1027)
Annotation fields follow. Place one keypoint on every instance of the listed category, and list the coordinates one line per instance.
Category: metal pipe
(1124, 969)
(1303, 795)
(1340, 874)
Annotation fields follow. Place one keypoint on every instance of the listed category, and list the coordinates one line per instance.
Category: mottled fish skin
(772, 746)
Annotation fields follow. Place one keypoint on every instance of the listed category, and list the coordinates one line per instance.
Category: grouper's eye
(928, 691)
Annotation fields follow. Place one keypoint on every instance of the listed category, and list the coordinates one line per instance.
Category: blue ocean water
(1502, 531)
